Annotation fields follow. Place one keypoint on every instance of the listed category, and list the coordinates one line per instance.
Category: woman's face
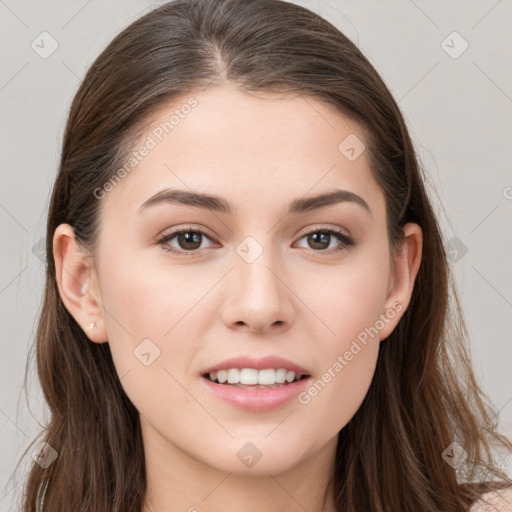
(262, 281)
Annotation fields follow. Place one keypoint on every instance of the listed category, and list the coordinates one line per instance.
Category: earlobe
(78, 284)
(405, 268)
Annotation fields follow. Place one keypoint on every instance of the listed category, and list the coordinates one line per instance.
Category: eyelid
(186, 227)
(347, 240)
(305, 231)
(323, 227)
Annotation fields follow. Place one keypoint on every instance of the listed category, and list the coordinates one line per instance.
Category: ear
(78, 283)
(404, 270)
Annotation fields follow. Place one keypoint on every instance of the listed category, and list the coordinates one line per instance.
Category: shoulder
(494, 501)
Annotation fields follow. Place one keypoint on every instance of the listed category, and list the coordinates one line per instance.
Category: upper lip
(262, 363)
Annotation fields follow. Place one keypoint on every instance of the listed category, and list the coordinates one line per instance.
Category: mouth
(252, 378)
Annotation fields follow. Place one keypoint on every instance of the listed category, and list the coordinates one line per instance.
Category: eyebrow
(219, 204)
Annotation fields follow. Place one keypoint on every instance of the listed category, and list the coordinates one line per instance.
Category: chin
(257, 456)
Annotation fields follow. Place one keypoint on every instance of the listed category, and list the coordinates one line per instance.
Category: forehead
(266, 148)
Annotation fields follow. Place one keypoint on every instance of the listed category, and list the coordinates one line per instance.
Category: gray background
(458, 108)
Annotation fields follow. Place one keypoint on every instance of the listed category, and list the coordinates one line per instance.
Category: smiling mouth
(249, 378)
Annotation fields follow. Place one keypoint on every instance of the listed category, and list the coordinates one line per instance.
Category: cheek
(349, 298)
(335, 395)
(350, 305)
(348, 358)
(148, 324)
(146, 301)
(148, 313)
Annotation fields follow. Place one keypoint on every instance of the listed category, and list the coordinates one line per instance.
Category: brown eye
(188, 241)
(321, 240)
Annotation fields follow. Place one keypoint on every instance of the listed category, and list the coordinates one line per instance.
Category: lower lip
(256, 400)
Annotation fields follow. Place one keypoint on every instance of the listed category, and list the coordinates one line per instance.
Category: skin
(298, 300)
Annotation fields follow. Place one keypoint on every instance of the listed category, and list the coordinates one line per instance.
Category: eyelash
(347, 242)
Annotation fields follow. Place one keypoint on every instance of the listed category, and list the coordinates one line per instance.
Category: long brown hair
(424, 395)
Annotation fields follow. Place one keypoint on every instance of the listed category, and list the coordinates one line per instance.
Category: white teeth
(290, 376)
(251, 376)
(267, 377)
(233, 376)
(280, 375)
(248, 376)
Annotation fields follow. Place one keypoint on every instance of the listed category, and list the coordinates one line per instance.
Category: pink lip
(256, 400)
(262, 363)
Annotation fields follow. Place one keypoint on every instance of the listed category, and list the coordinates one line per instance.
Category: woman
(246, 304)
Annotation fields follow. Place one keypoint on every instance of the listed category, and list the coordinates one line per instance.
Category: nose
(258, 297)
